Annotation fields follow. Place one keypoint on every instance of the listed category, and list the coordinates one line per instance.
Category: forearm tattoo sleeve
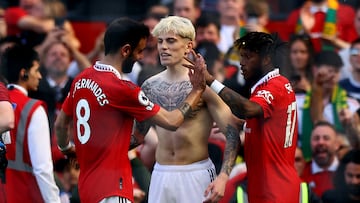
(231, 149)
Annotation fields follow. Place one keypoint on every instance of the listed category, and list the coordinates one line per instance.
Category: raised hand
(197, 67)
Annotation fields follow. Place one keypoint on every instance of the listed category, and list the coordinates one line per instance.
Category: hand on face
(197, 69)
(323, 77)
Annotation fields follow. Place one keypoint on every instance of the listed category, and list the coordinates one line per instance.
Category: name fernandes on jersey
(95, 89)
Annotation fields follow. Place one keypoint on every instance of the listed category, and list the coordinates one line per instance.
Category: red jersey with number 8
(103, 108)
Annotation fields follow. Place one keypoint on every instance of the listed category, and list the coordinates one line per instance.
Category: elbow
(173, 127)
(11, 124)
(255, 111)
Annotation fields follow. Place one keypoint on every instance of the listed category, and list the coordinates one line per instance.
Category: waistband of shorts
(200, 165)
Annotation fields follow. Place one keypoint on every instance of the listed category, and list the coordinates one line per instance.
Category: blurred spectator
(346, 180)
(352, 129)
(159, 10)
(5, 43)
(33, 19)
(30, 175)
(97, 52)
(149, 65)
(344, 145)
(232, 17)
(318, 172)
(55, 84)
(6, 113)
(345, 52)
(257, 16)
(24, 16)
(67, 179)
(141, 177)
(326, 100)
(209, 5)
(299, 161)
(328, 23)
(207, 28)
(3, 30)
(187, 8)
(147, 150)
(352, 83)
(301, 61)
(213, 58)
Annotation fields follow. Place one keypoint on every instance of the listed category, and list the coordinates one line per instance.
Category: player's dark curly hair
(265, 45)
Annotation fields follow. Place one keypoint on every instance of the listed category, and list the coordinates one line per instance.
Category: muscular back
(189, 143)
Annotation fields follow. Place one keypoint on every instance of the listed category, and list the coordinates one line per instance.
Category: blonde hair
(178, 25)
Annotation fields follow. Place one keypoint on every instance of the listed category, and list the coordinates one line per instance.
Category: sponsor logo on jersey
(266, 95)
(288, 88)
(145, 101)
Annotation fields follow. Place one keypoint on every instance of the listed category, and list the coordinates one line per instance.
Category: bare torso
(189, 143)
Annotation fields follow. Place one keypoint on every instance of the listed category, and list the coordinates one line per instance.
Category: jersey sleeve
(134, 102)
(266, 97)
(67, 105)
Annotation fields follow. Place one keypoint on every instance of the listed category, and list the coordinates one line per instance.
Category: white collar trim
(22, 89)
(314, 9)
(315, 168)
(270, 75)
(106, 68)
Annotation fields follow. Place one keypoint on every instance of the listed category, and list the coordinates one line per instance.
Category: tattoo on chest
(167, 95)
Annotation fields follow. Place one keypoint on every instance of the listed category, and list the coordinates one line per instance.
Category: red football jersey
(103, 108)
(270, 143)
(4, 95)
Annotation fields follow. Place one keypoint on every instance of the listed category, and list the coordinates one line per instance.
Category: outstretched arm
(239, 105)
(230, 126)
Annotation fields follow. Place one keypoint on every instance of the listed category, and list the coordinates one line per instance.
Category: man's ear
(266, 61)
(189, 46)
(23, 75)
(125, 50)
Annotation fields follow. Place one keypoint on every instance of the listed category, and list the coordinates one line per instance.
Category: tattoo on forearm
(62, 136)
(133, 142)
(143, 127)
(231, 149)
(234, 101)
(185, 109)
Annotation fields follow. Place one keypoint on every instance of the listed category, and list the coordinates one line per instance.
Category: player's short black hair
(124, 31)
(16, 58)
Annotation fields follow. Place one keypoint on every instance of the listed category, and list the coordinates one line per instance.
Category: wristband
(217, 86)
(68, 146)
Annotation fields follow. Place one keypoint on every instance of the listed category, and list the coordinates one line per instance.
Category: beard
(354, 190)
(127, 64)
(255, 77)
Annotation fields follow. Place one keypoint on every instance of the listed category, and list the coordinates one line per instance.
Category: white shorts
(181, 183)
(115, 200)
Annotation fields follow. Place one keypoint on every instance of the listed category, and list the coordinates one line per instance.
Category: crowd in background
(322, 63)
